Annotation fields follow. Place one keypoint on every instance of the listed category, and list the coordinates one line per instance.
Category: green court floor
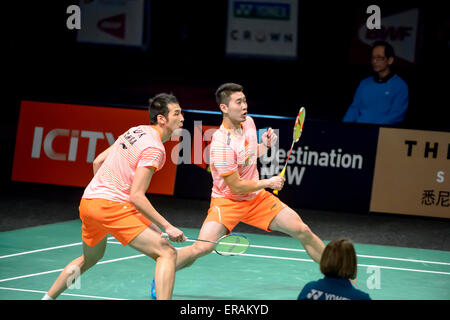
(31, 259)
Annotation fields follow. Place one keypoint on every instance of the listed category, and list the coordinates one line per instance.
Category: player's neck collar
(158, 129)
(236, 132)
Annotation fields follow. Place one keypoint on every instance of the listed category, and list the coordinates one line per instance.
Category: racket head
(232, 244)
(299, 121)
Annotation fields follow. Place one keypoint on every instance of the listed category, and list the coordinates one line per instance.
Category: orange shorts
(258, 212)
(120, 219)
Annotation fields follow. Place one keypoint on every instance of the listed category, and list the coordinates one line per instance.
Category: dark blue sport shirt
(331, 289)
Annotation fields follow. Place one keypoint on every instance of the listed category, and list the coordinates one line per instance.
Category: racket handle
(283, 172)
(281, 175)
(166, 236)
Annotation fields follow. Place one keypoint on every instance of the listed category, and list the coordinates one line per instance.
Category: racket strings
(253, 246)
(299, 124)
(298, 127)
(232, 245)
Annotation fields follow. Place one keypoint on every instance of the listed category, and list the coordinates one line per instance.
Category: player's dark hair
(159, 104)
(388, 49)
(224, 92)
(339, 260)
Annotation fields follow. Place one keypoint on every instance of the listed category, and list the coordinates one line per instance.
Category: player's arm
(139, 187)
(98, 161)
(239, 185)
(262, 149)
(269, 138)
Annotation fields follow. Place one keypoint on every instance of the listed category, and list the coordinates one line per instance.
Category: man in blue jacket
(382, 98)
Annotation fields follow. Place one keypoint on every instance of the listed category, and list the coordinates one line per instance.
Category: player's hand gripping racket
(298, 127)
(228, 245)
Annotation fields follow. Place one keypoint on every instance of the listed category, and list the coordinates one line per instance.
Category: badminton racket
(228, 245)
(298, 127)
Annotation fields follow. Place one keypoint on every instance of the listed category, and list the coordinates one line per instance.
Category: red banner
(57, 143)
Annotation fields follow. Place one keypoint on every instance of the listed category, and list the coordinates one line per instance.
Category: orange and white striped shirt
(140, 146)
(230, 153)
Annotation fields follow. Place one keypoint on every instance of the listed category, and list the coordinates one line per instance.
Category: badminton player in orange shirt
(114, 202)
(238, 195)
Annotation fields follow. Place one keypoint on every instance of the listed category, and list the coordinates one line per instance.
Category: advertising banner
(57, 143)
(264, 28)
(412, 173)
(330, 168)
(400, 29)
(113, 22)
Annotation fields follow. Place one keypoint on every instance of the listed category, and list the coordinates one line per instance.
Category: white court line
(59, 270)
(63, 294)
(358, 255)
(50, 248)
(31, 275)
(360, 265)
(310, 260)
(253, 246)
(245, 254)
(47, 249)
(404, 269)
(40, 250)
(274, 257)
(403, 259)
(276, 248)
(295, 259)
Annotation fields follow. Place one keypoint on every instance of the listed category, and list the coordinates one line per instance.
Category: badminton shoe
(153, 290)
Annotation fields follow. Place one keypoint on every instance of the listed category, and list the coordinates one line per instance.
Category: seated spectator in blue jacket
(383, 97)
(338, 264)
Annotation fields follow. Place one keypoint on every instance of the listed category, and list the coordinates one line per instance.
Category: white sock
(47, 297)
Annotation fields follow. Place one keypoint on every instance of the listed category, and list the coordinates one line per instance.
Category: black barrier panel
(193, 178)
(331, 167)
